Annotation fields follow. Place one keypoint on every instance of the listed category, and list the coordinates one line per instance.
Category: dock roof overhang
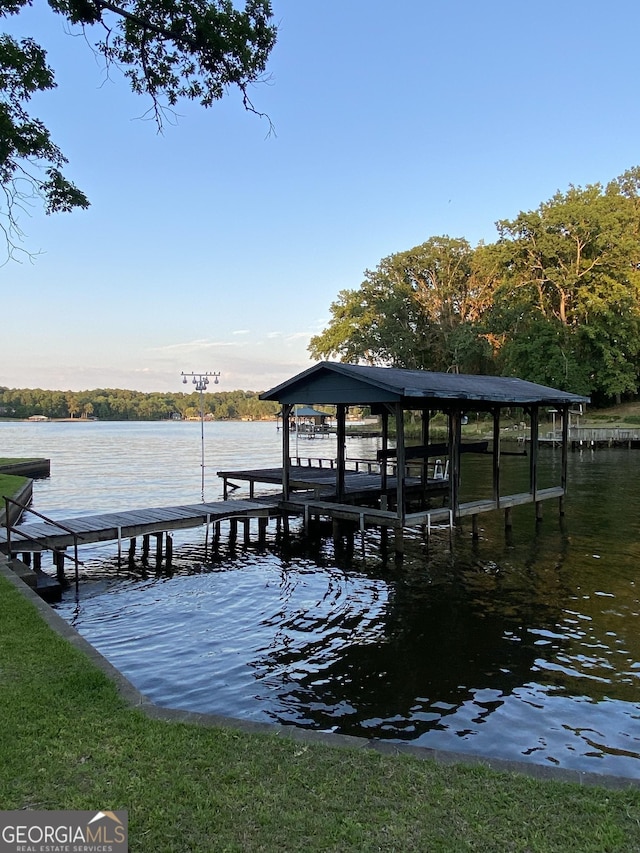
(333, 383)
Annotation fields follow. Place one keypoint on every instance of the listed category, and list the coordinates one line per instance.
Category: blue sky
(217, 247)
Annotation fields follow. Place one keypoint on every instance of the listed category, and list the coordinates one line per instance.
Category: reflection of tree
(444, 633)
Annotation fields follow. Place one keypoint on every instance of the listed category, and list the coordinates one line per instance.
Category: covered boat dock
(402, 501)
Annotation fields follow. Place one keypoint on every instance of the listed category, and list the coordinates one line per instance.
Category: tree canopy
(168, 50)
(556, 299)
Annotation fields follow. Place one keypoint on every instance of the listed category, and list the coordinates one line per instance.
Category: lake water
(523, 646)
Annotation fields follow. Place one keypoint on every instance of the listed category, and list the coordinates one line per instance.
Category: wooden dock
(105, 527)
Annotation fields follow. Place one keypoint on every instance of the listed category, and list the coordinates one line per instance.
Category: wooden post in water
(455, 435)
(400, 466)
(286, 414)
(145, 549)
(341, 415)
(262, 529)
(132, 550)
(37, 561)
(158, 550)
(496, 456)
(398, 536)
(58, 559)
(169, 550)
(426, 414)
(533, 462)
(383, 461)
(565, 454)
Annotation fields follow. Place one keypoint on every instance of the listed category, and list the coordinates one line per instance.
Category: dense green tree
(169, 50)
(570, 294)
(556, 299)
(419, 309)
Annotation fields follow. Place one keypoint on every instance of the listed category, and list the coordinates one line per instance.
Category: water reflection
(522, 646)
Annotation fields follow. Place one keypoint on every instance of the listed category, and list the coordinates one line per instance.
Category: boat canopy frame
(389, 392)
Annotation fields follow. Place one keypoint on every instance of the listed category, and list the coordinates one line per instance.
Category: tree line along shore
(122, 405)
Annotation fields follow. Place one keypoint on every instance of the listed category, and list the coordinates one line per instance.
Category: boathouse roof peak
(330, 383)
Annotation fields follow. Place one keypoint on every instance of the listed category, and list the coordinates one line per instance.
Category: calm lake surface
(524, 647)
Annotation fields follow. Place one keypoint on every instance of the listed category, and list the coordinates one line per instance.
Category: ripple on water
(524, 647)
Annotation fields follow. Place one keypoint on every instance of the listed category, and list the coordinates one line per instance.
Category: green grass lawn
(10, 485)
(68, 741)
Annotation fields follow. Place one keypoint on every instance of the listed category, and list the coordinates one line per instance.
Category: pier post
(58, 559)
(474, 527)
(233, 531)
(132, 550)
(262, 529)
(145, 549)
(398, 535)
(37, 561)
(26, 558)
(247, 530)
(158, 550)
(169, 550)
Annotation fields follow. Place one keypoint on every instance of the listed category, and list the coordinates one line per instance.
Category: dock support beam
(286, 414)
(341, 415)
(565, 454)
(455, 437)
(496, 456)
(533, 466)
(400, 464)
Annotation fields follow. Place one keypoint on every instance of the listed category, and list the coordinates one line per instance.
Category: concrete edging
(135, 698)
(23, 496)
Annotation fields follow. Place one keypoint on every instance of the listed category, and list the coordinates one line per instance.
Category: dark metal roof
(329, 383)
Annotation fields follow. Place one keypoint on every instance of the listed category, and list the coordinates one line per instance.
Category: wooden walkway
(132, 523)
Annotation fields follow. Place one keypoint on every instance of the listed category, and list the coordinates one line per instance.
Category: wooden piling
(158, 549)
(58, 559)
(262, 529)
(398, 535)
(168, 550)
(145, 548)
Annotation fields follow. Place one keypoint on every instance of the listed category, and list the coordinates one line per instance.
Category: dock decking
(321, 481)
(109, 526)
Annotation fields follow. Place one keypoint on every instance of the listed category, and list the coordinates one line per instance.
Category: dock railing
(372, 466)
(59, 555)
